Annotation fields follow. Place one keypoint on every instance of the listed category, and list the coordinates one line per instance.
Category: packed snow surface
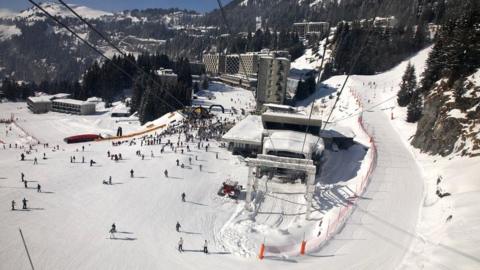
(396, 222)
(446, 235)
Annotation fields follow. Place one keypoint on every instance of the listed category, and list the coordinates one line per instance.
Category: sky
(119, 5)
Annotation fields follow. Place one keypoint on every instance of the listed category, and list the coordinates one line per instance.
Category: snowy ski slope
(67, 224)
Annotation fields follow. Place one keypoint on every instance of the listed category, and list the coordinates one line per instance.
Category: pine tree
(205, 83)
(138, 91)
(196, 87)
(407, 86)
(415, 107)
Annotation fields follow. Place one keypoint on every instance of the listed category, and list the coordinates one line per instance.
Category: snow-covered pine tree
(407, 86)
(415, 107)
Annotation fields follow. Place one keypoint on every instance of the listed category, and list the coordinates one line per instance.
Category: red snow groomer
(231, 189)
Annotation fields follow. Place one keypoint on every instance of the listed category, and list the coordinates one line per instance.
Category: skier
(190, 160)
(83, 148)
(177, 226)
(112, 231)
(110, 180)
(183, 197)
(205, 247)
(22, 157)
(200, 166)
(91, 162)
(216, 155)
(180, 244)
(23, 176)
(25, 183)
(83, 159)
(35, 162)
(183, 166)
(131, 173)
(39, 188)
(166, 173)
(24, 201)
(13, 205)
(178, 162)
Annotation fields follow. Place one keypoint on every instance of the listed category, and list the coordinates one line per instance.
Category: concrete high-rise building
(232, 64)
(214, 63)
(272, 80)
(249, 64)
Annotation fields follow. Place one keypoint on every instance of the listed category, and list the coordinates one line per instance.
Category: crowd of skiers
(206, 129)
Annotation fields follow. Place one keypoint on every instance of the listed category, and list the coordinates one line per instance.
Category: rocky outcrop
(447, 125)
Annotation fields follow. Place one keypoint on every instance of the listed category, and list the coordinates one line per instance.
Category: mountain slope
(60, 11)
(59, 55)
(283, 13)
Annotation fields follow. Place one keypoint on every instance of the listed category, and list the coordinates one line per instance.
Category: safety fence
(26, 133)
(5, 120)
(337, 222)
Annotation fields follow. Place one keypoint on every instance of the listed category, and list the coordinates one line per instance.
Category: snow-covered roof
(120, 108)
(94, 99)
(280, 107)
(296, 118)
(60, 95)
(71, 101)
(249, 131)
(293, 141)
(40, 99)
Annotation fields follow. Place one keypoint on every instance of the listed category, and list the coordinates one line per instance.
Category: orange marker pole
(302, 247)
(262, 251)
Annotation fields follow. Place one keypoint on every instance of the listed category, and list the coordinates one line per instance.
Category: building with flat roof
(238, 80)
(41, 104)
(298, 121)
(292, 144)
(167, 75)
(73, 106)
(272, 80)
(305, 29)
(246, 136)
